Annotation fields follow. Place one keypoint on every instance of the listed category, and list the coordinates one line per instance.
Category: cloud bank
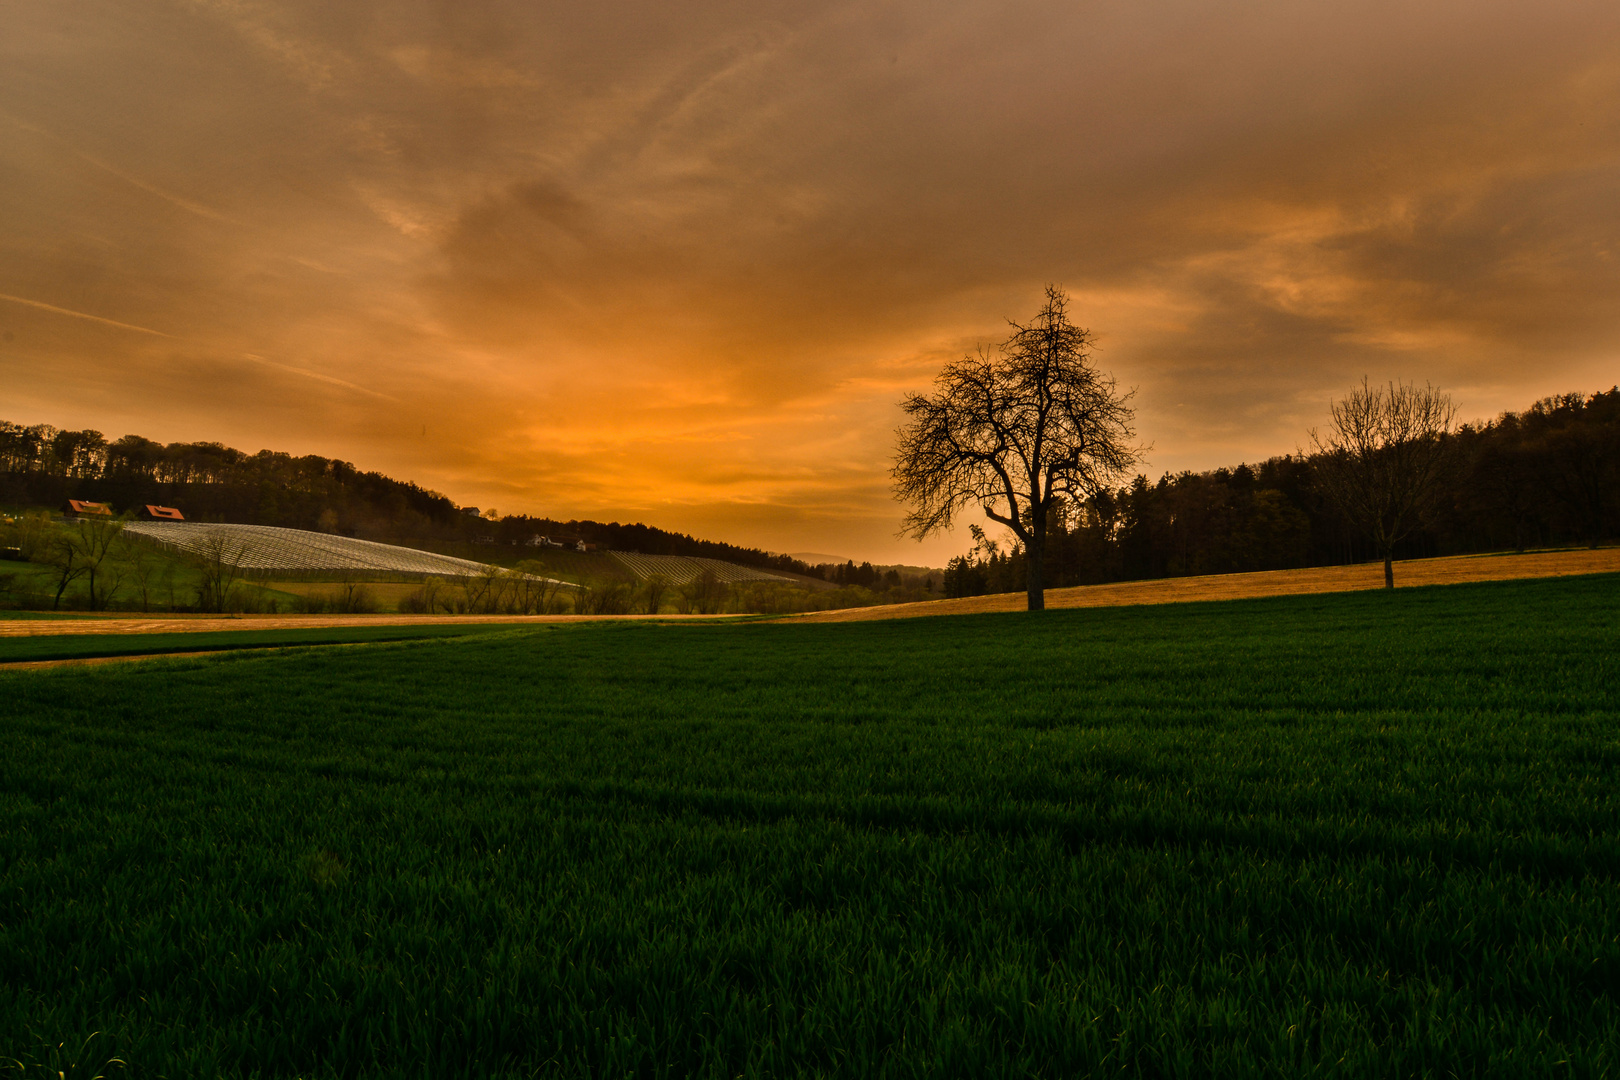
(677, 263)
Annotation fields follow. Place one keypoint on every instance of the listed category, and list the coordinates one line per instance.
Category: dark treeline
(865, 575)
(639, 538)
(1548, 476)
(44, 466)
(41, 465)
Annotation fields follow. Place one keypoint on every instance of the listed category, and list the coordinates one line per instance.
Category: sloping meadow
(1349, 835)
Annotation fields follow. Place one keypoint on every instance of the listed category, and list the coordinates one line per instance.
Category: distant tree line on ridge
(44, 466)
(645, 539)
(1548, 476)
(1545, 477)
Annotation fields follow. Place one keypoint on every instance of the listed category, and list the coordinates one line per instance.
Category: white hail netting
(679, 569)
(265, 547)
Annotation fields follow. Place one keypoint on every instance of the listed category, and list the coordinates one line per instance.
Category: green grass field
(1354, 835)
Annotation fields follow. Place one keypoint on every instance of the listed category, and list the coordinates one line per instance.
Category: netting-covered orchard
(266, 549)
(680, 569)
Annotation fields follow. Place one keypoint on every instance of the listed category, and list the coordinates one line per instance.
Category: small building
(161, 513)
(78, 508)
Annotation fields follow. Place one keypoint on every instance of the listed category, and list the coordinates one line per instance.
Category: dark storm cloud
(678, 261)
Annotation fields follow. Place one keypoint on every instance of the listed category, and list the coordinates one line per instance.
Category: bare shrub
(312, 604)
(148, 573)
(607, 596)
(425, 600)
(705, 594)
(536, 593)
(251, 599)
(353, 598)
(653, 591)
(33, 532)
(488, 593)
(774, 598)
(220, 564)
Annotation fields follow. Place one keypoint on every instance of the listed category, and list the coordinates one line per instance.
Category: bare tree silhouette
(1384, 461)
(1014, 433)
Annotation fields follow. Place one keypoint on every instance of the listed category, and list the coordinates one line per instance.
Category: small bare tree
(604, 596)
(66, 558)
(146, 569)
(653, 591)
(353, 597)
(97, 540)
(424, 600)
(219, 565)
(1015, 433)
(485, 592)
(705, 594)
(1384, 461)
(34, 534)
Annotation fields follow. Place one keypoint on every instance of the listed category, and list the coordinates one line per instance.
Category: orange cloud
(677, 264)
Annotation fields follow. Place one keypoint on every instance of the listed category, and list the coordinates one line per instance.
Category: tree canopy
(1015, 431)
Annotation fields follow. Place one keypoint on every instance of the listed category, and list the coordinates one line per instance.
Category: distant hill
(44, 466)
(817, 558)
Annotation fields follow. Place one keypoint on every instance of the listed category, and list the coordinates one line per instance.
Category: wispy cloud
(81, 315)
(319, 377)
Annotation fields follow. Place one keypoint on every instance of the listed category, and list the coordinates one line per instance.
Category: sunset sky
(675, 261)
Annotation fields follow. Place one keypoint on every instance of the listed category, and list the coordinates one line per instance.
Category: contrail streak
(169, 196)
(82, 315)
(317, 375)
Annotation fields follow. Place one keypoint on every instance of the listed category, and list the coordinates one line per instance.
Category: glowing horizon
(631, 264)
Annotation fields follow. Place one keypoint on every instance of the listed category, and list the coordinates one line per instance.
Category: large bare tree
(1384, 460)
(1014, 432)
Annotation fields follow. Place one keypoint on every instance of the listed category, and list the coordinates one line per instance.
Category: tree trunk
(1389, 570)
(1034, 567)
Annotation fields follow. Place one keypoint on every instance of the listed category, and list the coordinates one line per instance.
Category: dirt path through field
(182, 624)
(1326, 579)
(80, 661)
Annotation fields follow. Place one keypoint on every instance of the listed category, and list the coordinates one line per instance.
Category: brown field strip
(1444, 571)
(178, 654)
(80, 661)
(183, 624)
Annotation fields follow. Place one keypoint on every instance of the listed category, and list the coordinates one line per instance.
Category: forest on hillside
(1547, 476)
(45, 466)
